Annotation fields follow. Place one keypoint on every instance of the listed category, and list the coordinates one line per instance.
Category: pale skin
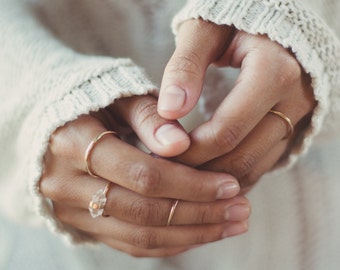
(233, 147)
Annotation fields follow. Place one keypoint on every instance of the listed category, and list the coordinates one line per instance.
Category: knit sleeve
(294, 26)
(43, 85)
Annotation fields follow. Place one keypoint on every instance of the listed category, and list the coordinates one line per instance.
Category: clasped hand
(203, 169)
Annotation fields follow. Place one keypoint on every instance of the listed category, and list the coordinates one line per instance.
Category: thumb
(163, 137)
(199, 43)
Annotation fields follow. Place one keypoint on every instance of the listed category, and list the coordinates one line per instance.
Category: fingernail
(237, 212)
(228, 190)
(169, 134)
(235, 229)
(172, 99)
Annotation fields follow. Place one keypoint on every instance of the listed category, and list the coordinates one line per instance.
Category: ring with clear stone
(98, 202)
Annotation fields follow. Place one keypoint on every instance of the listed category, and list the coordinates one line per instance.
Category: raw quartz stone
(96, 206)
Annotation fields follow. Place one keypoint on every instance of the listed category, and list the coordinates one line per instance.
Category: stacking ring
(287, 120)
(172, 211)
(90, 148)
(98, 202)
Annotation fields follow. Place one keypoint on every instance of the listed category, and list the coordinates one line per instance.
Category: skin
(241, 138)
(138, 200)
(203, 169)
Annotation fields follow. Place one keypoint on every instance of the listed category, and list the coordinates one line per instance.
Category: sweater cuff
(121, 79)
(292, 26)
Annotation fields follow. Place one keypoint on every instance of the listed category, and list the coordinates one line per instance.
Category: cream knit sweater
(60, 59)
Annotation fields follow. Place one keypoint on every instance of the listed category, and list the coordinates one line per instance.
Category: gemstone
(97, 204)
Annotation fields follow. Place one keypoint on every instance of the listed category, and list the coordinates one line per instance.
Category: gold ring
(172, 211)
(98, 202)
(90, 148)
(287, 120)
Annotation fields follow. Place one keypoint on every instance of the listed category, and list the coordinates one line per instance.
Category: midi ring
(287, 120)
(90, 148)
(172, 211)
(98, 202)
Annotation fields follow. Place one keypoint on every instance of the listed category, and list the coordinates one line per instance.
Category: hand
(241, 138)
(143, 187)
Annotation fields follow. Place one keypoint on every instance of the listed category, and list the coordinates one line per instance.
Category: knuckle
(188, 63)
(227, 138)
(146, 238)
(62, 144)
(145, 212)
(45, 186)
(203, 215)
(53, 187)
(290, 71)
(242, 164)
(146, 179)
(146, 111)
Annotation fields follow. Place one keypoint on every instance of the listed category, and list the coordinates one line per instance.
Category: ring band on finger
(97, 204)
(172, 212)
(90, 148)
(287, 120)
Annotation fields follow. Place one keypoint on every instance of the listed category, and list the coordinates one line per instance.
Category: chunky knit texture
(60, 59)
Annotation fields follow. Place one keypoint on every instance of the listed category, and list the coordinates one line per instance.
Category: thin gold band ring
(89, 149)
(287, 120)
(172, 212)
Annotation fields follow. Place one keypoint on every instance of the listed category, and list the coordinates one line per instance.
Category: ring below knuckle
(146, 179)
(147, 239)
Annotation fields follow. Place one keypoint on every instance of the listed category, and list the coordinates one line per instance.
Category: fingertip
(228, 189)
(172, 140)
(235, 228)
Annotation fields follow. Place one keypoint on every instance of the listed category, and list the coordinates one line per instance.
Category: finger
(128, 206)
(149, 237)
(255, 93)
(269, 162)
(184, 74)
(259, 142)
(152, 177)
(163, 137)
(123, 164)
(140, 252)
